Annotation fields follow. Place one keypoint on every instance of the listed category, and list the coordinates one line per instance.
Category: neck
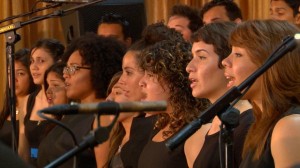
(91, 99)
(258, 102)
(243, 105)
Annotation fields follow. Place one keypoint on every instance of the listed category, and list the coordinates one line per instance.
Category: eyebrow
(201, 50)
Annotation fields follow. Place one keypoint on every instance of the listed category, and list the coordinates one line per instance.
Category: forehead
(107, 29)
(40, 52)
(177, 20)
(217, 13)
(75, 58)
(279, 4)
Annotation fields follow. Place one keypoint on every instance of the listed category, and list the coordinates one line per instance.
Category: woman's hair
(118, 131)
(58, 69)
(104, 56)
(54, 47)
(216, 34)
(280, 85)
(168, 60)
(22, 56)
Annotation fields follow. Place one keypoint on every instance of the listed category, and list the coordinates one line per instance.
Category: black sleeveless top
(209, 154)
(59, 141)
(35, 131)
(10, 159)
(140, 133)
(266, 159)
(6, 133)
(156, 154)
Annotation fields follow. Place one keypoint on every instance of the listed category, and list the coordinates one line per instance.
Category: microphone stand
(223, 103)
(12, 38)
(31, 12)
(95, 137)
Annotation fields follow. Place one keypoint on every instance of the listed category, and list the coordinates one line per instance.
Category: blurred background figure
(216, 11)
(285, 10)
(115, 26)
(185, 20)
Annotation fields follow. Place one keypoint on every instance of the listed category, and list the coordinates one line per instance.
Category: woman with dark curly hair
(91, 63)
(166, 79)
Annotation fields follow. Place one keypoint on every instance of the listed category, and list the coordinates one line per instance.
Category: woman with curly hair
(166, 79)
(273, 139)
(91, 61)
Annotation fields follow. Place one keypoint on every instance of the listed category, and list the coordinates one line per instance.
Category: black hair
(54, 47)
(117, 19)
(103, 54)
(190, 13)
(232, 9)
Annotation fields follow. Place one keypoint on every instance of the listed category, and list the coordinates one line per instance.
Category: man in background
(185, 20)
(115, 26)
(216, 11)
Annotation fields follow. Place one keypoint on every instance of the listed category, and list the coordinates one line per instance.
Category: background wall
(156, 10)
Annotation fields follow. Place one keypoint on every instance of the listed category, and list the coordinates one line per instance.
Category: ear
(128, 41)
(297, 19)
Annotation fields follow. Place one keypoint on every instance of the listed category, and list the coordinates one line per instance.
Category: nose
(65, 75)
(190, 68)
(226, 62)
(142, 82)
(121, 80)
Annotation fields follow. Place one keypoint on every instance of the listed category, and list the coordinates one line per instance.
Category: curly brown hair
(168, 60)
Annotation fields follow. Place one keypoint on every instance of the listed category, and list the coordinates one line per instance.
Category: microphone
(106, 108)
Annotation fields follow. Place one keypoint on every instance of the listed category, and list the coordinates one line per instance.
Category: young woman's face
(238, 67)
(40, 62)
(56, 92)
(78, 80)
(153, 89)
(207, 79)
(22, 79)
(117, 94)
(131, 76)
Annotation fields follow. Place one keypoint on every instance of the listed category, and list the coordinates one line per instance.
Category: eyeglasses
(72, 69)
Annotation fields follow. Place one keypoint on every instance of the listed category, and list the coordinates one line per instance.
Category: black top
(6, 133)
(209, 154)
(266, 159)
(156, 154)
(140, 133)
(35, 131)
(59, 141)
(9, 159)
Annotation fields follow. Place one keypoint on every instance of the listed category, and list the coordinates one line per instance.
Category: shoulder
(285, 141)
(287, 125)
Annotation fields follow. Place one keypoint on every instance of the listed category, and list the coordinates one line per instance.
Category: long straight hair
(280, 85)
